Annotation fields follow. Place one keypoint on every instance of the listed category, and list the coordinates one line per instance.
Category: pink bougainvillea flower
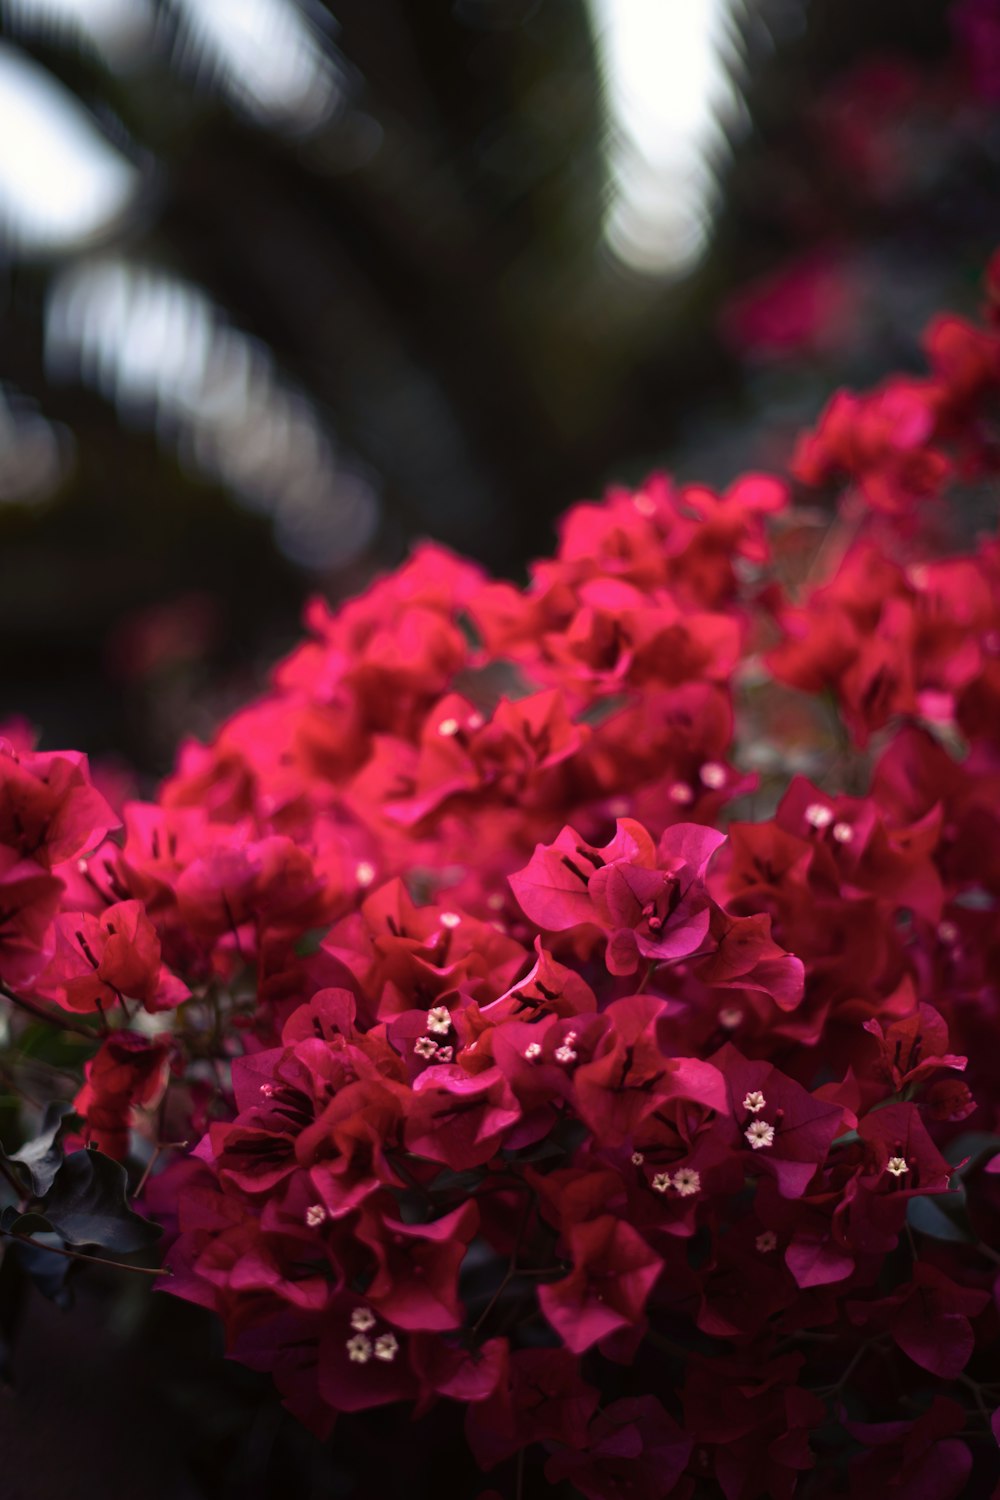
(50, 810)
(614, 1271)
(633, 1446)
(108, 958)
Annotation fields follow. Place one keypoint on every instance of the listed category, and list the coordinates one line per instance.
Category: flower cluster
(563, 1033)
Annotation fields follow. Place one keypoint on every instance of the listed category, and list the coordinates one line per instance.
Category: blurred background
(285, 286)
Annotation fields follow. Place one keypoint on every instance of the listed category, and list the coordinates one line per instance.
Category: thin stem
(42, 1013)
(977, 1396)
(838, 1386)
(519, 1478)
(511, 1270)
(90, 1260)
(158, 1148)
(233, 927)
(667, 1346)
(650, 970)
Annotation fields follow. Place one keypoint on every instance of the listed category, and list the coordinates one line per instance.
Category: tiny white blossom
(364, 873)
(445, 1054)
(637, 1158)
(267, 1089)
(565, 1054)
(495, 902)
(439, 1020)
(760, 1134)
(754, 1101)
(687, 1181)
(359, 1349)
(818, 815)
(362, 1318)
(315, 1215)
(730, 1017)
(843, 833)
(660, 1182)
(766, 1241)
(448, 727)
(426, 1047)
(386, 1347)
(681, 793)
(532, 1050)
(81, 865)
(449, 919)
(713, 775)
(896, 1165)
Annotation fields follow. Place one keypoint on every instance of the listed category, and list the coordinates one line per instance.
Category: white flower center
(760, 1134)
(687, 1181)
(818, 815)
(565, 1053)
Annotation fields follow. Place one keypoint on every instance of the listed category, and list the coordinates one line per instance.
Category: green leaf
(941, 1217)
(87, 1205)
(47, 1271)
(973, 1144)
(42, 1157)
(14, 1222)
(603, 708)
(310, 942)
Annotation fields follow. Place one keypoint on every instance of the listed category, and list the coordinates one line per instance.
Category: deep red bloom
(108, 958)
(127, 1071)
(614, 1271)
(49, 809)
(29, 899)
(634, 1449)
